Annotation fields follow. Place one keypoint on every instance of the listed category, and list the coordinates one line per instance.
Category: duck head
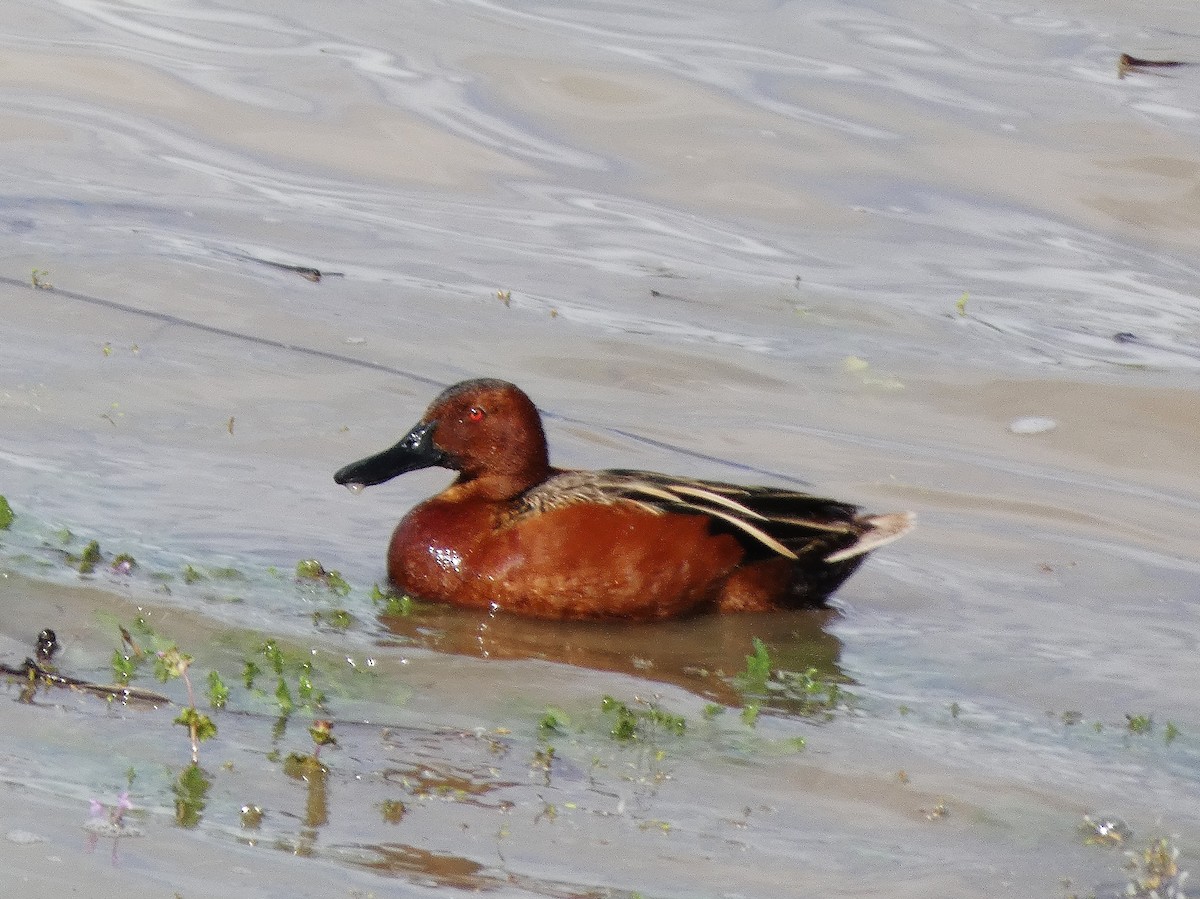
(487, 430)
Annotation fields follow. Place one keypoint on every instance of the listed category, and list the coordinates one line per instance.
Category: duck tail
(880, 529)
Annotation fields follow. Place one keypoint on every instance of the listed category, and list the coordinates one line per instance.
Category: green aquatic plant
(170, 664)
(1139, 724)
(6, 514)
(309, 696)
(554, 721)
(391, 603)
(750, 714)
(218, 692)
(632, 724)
(754, 677)
(123, 563)
(312, 570)
(89, 558)
(809, 693)
(337, 619)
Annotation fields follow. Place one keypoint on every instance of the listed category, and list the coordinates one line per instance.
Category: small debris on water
(1127, 64)
(1104, 830)
(1032, 424)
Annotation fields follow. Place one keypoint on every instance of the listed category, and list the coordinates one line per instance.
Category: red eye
(475, 413)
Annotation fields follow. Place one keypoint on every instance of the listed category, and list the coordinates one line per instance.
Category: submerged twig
(35, 673)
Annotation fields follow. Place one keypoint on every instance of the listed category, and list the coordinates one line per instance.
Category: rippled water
(842, 245)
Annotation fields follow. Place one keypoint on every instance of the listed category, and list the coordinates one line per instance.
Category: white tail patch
(884, 529)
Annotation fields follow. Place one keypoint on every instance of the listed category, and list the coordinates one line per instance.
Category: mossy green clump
(7, 517)
(89, 558)
(391, 603)
(123, 563)
(1139, 724)
(312, 570)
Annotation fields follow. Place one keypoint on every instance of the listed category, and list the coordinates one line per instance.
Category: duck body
(515, 534)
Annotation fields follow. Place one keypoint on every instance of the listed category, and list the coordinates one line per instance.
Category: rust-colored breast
(578, 561)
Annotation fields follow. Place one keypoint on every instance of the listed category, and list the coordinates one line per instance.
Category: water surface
(841, 245)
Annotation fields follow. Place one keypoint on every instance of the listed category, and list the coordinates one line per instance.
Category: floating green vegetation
(1143, 725)
(307, 696)
(123, 563)
(312, 570)
(338, 619)
(1155, 872)
(169, 664)
(391, 603)
(6, 514)
(218, 692)
(635, 724)
(40, 278)
(554, 722)
(961, 305)
(88, 559)
(809, 693)
(750, 714)
(757, 672)
(1139, 724)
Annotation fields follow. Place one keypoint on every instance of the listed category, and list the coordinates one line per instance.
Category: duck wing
(767, 520)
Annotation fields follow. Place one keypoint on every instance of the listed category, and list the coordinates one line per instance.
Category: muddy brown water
(846, 246)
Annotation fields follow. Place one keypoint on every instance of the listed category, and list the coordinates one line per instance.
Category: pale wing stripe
(718, 500)
(830, 527)
(741, 524)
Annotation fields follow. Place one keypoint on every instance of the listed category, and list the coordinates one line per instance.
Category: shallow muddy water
(860, 247)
